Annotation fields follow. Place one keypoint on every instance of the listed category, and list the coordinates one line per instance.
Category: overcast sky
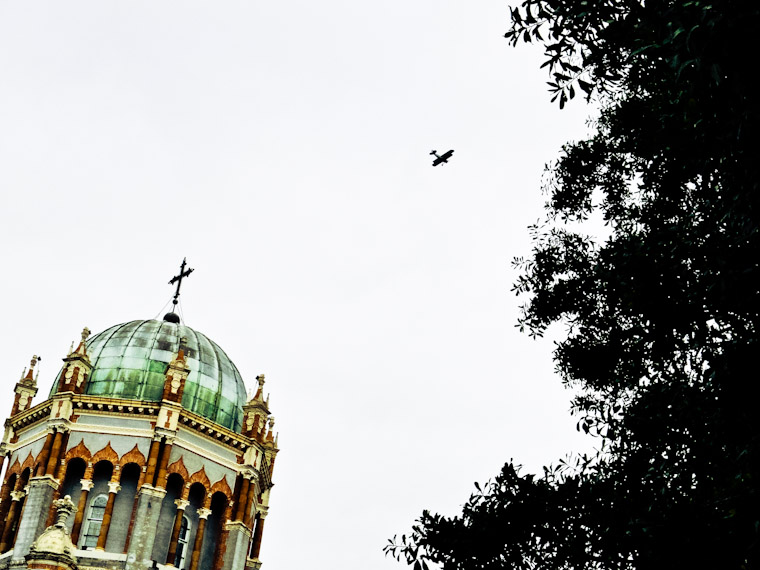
(283, 148)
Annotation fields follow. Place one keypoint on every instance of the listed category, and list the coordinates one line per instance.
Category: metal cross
(178, 279)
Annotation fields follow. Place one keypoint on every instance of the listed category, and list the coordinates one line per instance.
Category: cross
(178, 279)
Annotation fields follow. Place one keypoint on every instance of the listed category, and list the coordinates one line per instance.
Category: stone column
(113, 488)
(249, 505)
(87, 485)
(203, 514)
(150, 471)
(55, 451)
(242, 499)
(5, 503)
(144, 530)
(161, 477)
(42, 466)
(256, 548)
(13, 512)
(181, 506)
(33, 519)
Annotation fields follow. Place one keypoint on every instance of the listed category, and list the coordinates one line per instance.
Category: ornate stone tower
(148, 429)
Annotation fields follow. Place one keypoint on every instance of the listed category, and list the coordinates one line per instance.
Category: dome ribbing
(130, 361)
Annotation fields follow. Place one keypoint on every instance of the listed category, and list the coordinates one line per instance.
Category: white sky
(283, 148)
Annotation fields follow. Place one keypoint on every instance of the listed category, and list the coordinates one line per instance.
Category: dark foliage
(662, 315)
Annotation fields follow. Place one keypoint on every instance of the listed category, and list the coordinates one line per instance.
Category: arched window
(94, 520)
(184, 535)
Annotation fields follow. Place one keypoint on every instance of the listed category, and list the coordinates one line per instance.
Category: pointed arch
(14, 468)
(223, 487)
(28, 462)
(200, 477)
(79, 450)
(179, 468)
(134, 455)
(106, 454)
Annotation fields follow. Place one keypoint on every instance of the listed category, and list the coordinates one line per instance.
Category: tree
(662, 316)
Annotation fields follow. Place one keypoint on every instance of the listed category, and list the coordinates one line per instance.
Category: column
(13, 513)
(87, 485)
(242, 499)
(238, 535)
(220, 550)
(181, 506)
(113, 488)
(5, 503)
(52, 463)
(60, 471)
(249, 505)
(41, 467)
(203, 514)
(161, 477)
(256, 548)
(150, 471)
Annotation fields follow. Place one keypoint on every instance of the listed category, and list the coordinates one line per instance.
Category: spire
(76, 366)
(176, 375)
(254, 412)
(270, 435)
(29, 376)
(81, 349)
(25, 389)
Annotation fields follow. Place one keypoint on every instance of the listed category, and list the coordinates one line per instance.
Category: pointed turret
(25, 389)
(76, 367)
(255, 413)
(176, 375)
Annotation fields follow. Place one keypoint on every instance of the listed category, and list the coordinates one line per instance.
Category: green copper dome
(130, 361)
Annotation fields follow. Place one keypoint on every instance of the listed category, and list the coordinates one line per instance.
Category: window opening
(184, 535)
(94, 521)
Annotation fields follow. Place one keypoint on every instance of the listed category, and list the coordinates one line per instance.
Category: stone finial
(29, 375)
(85, 334)
(63, 508)
(260, 380)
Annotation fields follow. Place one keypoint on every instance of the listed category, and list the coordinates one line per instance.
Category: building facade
(149, 432)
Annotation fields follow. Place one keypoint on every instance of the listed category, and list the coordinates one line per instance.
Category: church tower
(149, 432)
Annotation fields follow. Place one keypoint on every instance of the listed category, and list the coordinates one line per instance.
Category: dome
(130, 361)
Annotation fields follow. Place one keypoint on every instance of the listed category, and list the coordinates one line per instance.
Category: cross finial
(178, 279)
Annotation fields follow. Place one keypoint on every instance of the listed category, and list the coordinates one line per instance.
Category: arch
(179, 468)
(223, 487)
(183, 545)
(134, 455)
(214, 546)
(28, 462)
(15, 468)
(200, 477)
(106, 454)
(71, 485)
(123, 507)
(94, 521)
(79, 450)
(175, 488)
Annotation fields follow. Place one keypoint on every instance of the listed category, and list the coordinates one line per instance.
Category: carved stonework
(106, 454)
(179, 468)
(200, 477)
(134, 455)
(221, 486)
(79, 450)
